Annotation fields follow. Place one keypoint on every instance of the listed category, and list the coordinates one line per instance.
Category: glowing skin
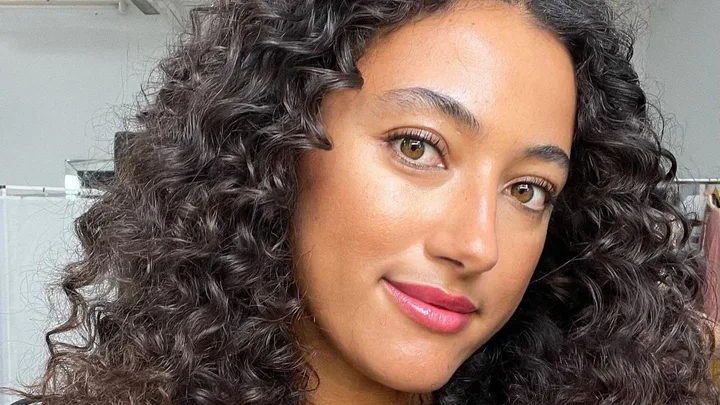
(470, 222)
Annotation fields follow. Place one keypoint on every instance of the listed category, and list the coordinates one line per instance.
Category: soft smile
(430, 306)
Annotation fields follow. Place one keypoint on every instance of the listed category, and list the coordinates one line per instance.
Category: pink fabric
(711, 246)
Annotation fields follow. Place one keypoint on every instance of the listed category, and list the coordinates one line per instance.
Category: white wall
(65, 73)
(36, 241)
(638, 13)
(682, 68)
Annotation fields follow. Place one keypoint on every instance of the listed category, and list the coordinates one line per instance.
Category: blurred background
(70, 70)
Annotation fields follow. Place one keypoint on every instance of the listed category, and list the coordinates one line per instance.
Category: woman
(388, 202)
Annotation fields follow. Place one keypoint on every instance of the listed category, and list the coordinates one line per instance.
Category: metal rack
(10, 191)
(697, 181)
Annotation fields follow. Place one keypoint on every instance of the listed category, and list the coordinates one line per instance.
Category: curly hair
(185, 294)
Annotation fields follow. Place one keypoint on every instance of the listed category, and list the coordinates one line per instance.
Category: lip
(430, 306)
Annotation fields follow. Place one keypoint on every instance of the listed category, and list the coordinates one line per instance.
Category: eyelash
(418, 135)
(430, 139)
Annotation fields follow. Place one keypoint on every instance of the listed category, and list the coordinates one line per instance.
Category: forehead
(516, 77)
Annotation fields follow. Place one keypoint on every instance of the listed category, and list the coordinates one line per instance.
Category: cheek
(350, 216)
(507, 282)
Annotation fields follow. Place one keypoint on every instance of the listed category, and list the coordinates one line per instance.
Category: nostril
(457, 262)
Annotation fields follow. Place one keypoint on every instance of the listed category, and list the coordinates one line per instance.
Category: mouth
(431, 307)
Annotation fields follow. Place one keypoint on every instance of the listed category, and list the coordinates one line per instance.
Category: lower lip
(430, 316)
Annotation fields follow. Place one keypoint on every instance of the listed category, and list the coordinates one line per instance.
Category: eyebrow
(549, 153)
(421, 97)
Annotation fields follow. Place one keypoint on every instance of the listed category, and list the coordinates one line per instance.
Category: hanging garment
(693, 207)
(711, 247)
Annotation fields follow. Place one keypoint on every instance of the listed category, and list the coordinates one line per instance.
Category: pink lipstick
(431, 306)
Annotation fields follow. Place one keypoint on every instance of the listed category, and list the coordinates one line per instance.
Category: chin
(413, 378)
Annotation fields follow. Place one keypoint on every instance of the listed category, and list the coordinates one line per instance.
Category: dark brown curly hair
(184, 294)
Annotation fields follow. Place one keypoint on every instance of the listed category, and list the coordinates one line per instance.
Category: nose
(466, 234)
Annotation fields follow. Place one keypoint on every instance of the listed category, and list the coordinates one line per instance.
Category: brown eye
(535, 197)
(412, 148)
(524, 192)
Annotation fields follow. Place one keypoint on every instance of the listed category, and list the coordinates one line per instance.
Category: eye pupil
(523, 192)
(413, 148)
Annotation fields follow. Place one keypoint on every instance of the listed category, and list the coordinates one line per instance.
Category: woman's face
(463, 211)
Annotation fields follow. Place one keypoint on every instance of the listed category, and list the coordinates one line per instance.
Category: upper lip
(436, 296)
